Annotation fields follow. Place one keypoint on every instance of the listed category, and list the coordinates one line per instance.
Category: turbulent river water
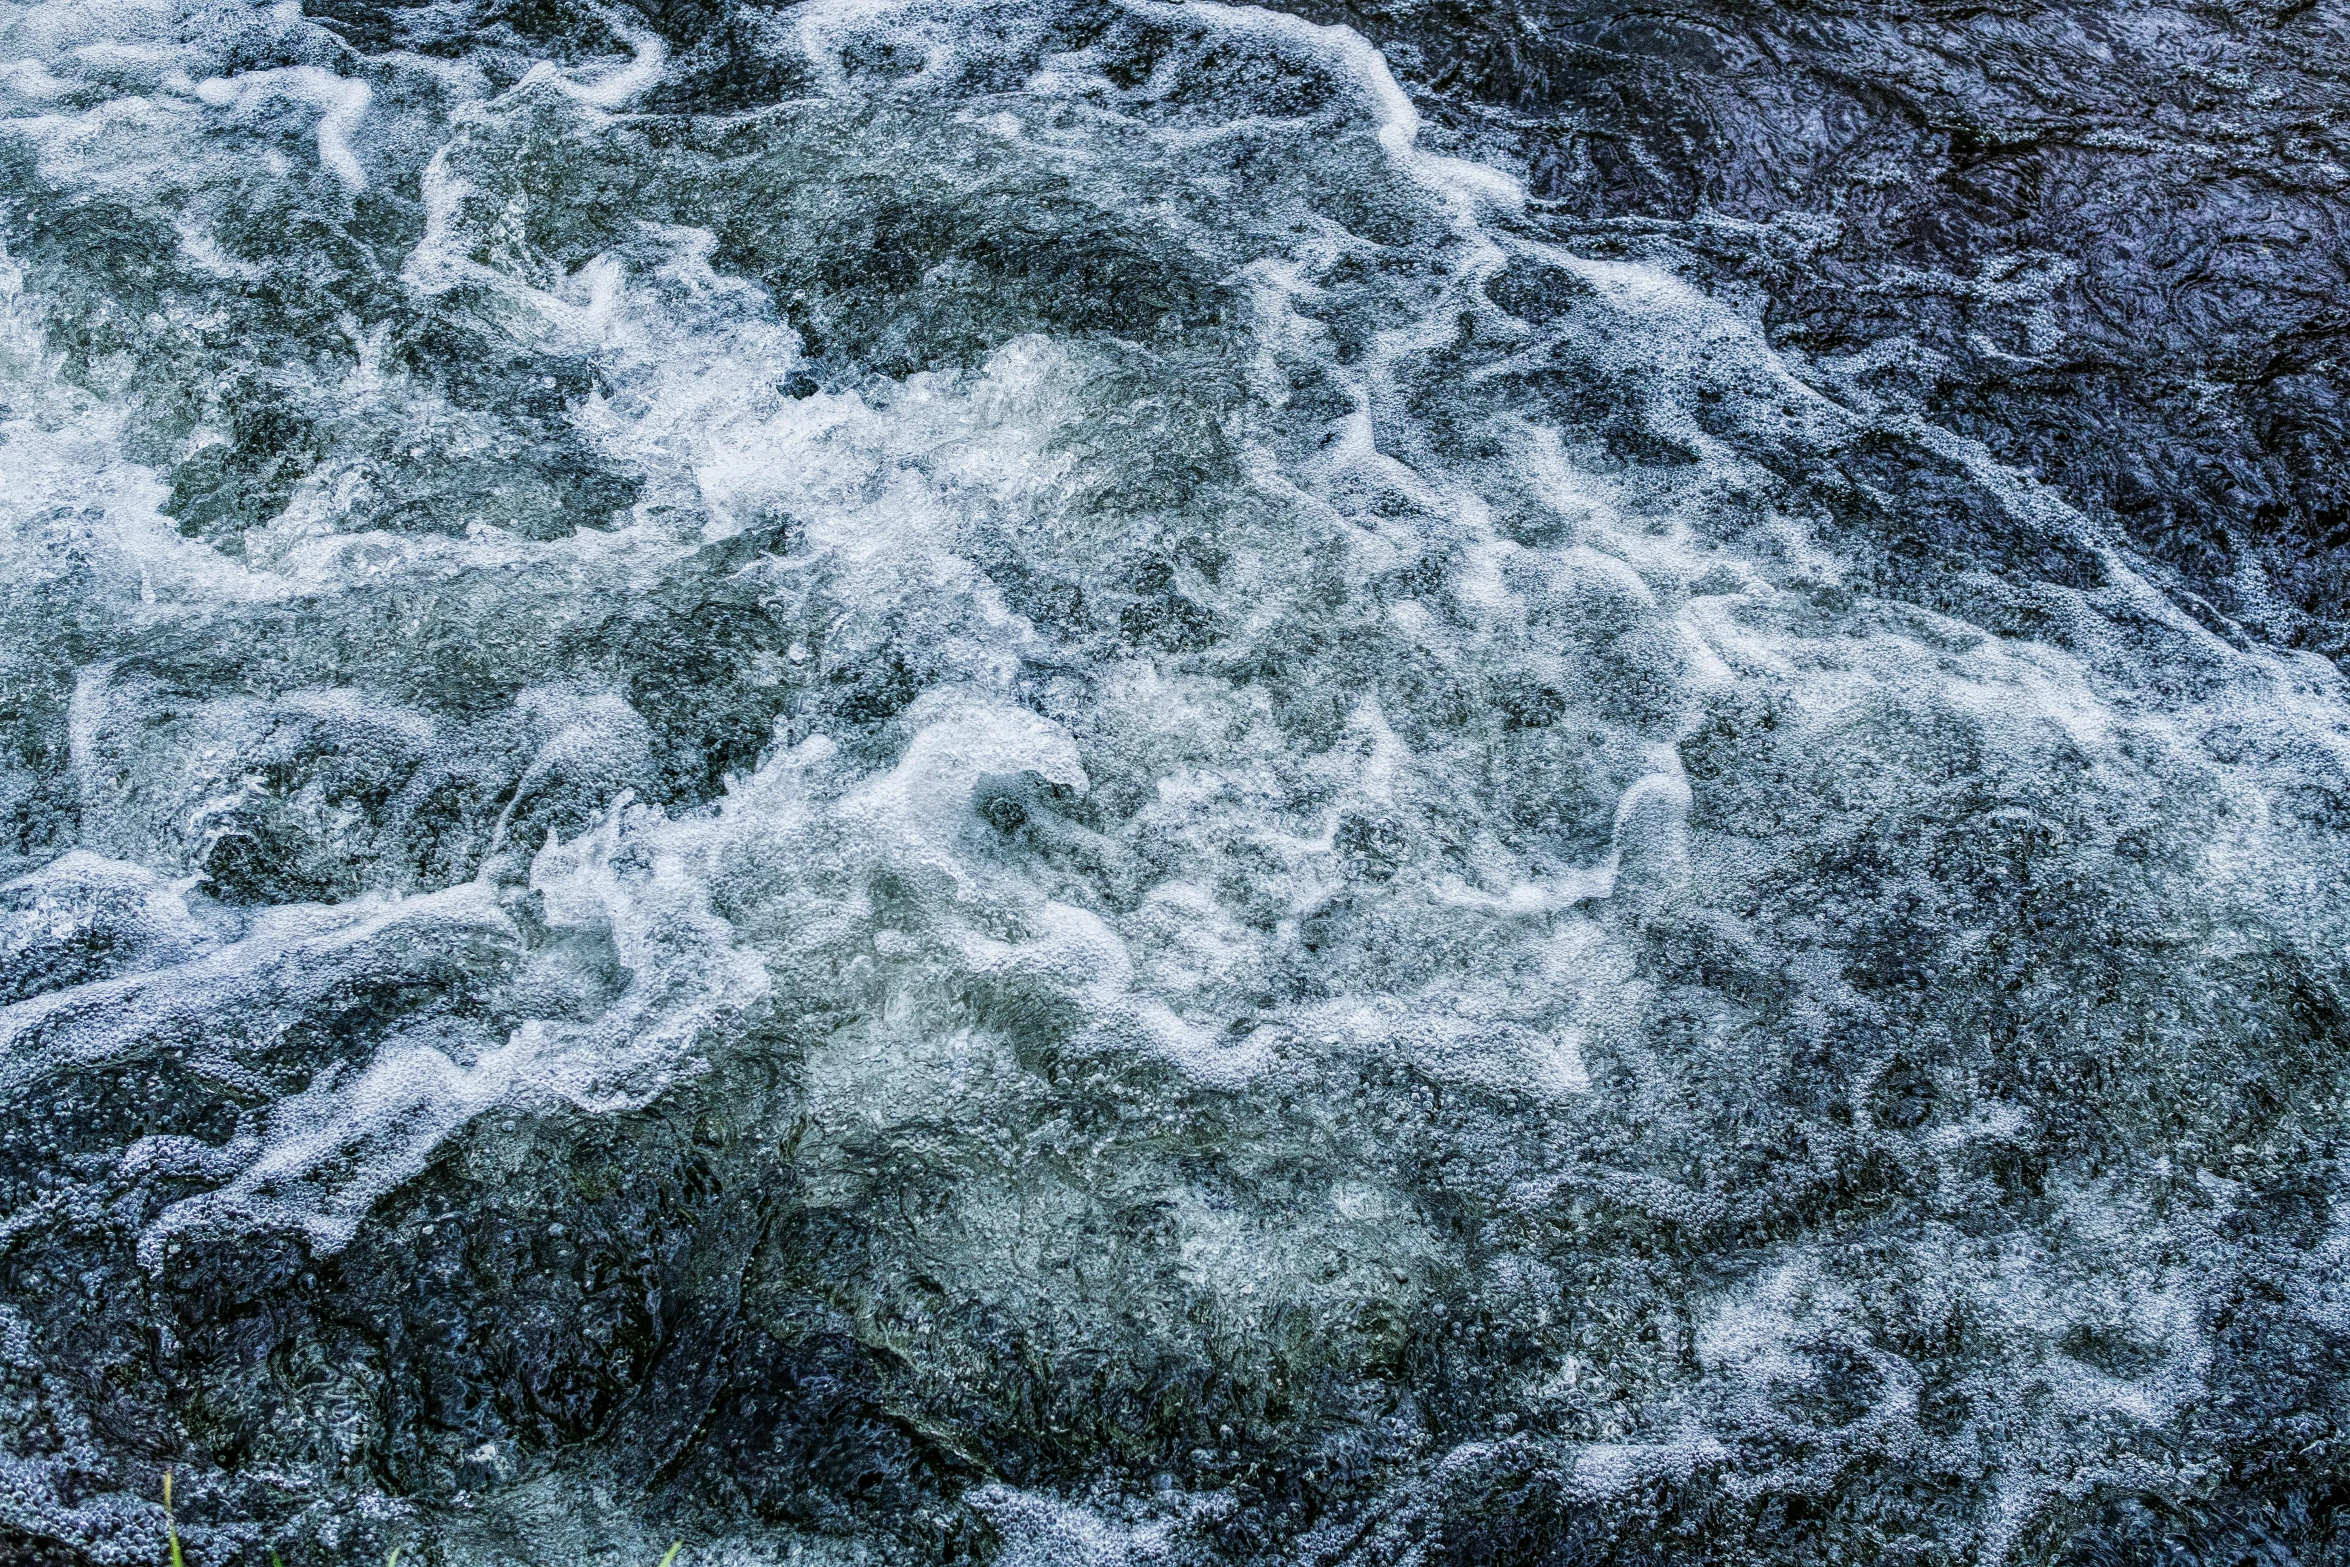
(891, 781)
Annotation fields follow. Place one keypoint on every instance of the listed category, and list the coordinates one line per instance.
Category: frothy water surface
(1011, 791)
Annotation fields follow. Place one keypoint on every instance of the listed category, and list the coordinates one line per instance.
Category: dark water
(893, 781)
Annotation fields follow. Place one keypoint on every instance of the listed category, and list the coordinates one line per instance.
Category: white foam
(329, 1152)
(341, 101)
(245, 995)
(616, 88)
(1042, 1530)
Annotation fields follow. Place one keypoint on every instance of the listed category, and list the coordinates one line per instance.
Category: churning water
(1010, 791)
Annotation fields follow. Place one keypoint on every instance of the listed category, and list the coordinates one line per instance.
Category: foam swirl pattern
(997, 788)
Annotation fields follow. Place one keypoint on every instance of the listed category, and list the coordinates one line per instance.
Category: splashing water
(1003, 787)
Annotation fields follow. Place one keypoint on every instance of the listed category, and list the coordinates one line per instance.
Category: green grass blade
(674, 1547)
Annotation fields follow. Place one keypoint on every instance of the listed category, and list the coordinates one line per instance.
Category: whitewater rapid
(1307, 857)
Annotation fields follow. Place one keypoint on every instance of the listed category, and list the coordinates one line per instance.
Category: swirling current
(1084, 783)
